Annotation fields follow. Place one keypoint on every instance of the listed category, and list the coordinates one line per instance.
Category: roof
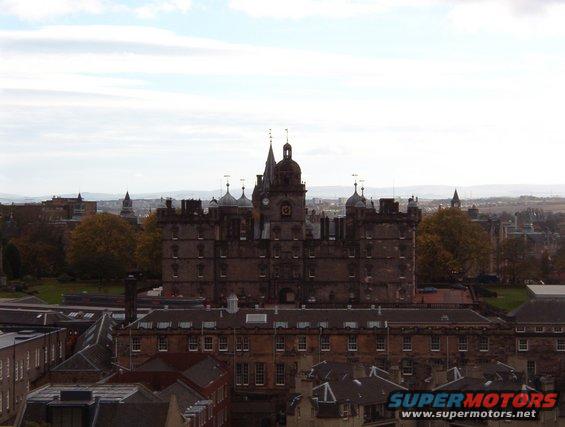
(540, 311)
(8, 339)
(361, 391)
(185, 395)
(118, 405)
(334, 371)
(493, 377)
(93, 350)
(547, 291)
(336, 318)
(199, 369)
(19, 316)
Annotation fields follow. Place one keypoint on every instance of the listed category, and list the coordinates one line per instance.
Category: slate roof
(540, 311)
(309, 318)
(18, 316)
(185, 395)
(361, 391)
(93, 350)
(336, 371)
(494, 377)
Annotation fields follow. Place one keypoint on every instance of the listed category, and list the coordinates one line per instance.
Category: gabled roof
(540, 311)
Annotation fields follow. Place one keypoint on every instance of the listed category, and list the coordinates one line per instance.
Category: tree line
(102, 247)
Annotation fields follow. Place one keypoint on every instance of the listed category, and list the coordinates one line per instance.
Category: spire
(455, 202)
(127, 196)
(269, 173)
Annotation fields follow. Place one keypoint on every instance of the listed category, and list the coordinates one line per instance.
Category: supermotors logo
(474, 405)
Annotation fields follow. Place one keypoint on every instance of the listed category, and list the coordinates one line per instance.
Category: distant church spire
(269, 173)
(455, 202)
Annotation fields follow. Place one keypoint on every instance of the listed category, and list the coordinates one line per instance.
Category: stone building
(26, 355)
(268, 249)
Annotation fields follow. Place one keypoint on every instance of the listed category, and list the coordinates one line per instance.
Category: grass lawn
(508, 297)
(51, 291)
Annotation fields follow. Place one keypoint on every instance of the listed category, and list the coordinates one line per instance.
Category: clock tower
(279, 201)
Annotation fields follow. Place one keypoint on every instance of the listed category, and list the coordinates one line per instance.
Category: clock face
(265, 201)
(286, 210)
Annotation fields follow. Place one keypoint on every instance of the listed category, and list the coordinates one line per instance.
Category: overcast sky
(157, 95)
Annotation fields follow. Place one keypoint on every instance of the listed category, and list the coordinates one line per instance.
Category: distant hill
(422, 191)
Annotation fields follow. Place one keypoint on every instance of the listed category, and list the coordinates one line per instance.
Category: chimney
(130, 298)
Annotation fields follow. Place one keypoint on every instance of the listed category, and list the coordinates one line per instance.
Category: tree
(518, 265)
(41, 246)
(450, 247)
(12, 262)
(102, 247)
(149, 247)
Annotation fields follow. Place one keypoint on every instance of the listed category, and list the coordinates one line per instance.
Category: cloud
(45, 10)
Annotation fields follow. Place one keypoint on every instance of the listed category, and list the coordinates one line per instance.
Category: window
(259, 374)
(311, 271)
(369, 251)
(162, 344)
(223, 252)
(175, 251)
(325, 343)
(369, 271)
(520, 329)
(311, 252)
(406, 343)
(52, 352)
(262, 270)
(539, 329)
(135, 344)
(175, 268)
(295, 252)
(200, 251)
(36, 359)
(295, 233)
(352, 343)
(7, 401)
(522, 344)
(192, 343)
(531, 368)
(27, 361)
(463, 344)
(280, 374)
(223, 343)
(208, 343)
(351, 252)
(8, 364)
(557, 329)
(60, 350)
(351, 271)
(381, 343)
(199, 234)
(200, 271)
(245, 343)
(175, 232)
(345, 410)
(45, 355)
(1, 406)
(435, 343)
(407, 367)
(223, 270)
(302, 343)
(262, 252)
(242, 344)
(560, 344)
(276, 252)
(279, 343)
(277, 233)
(242, 374)
(483, 343)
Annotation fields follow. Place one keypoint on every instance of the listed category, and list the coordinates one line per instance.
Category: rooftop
(547, 291)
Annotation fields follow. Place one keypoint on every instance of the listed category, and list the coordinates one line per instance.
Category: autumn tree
(149, 247)
(102, 247)
(450, 247)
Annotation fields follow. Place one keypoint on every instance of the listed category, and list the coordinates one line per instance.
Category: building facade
(268, 249)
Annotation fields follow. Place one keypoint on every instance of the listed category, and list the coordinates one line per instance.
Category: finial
(354, 175)
(286, 130)
(270, 137)
(362, 181)
(242, 183)
(227, 177)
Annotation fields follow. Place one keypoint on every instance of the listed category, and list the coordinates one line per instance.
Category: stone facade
(268, 249)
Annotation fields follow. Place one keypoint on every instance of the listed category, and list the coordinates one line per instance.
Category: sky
(164, 95)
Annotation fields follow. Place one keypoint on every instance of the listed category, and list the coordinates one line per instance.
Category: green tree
(12, 262)
(518, 265)
(41, 246)
(149, 247)
(102, 247)
(450, 247)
